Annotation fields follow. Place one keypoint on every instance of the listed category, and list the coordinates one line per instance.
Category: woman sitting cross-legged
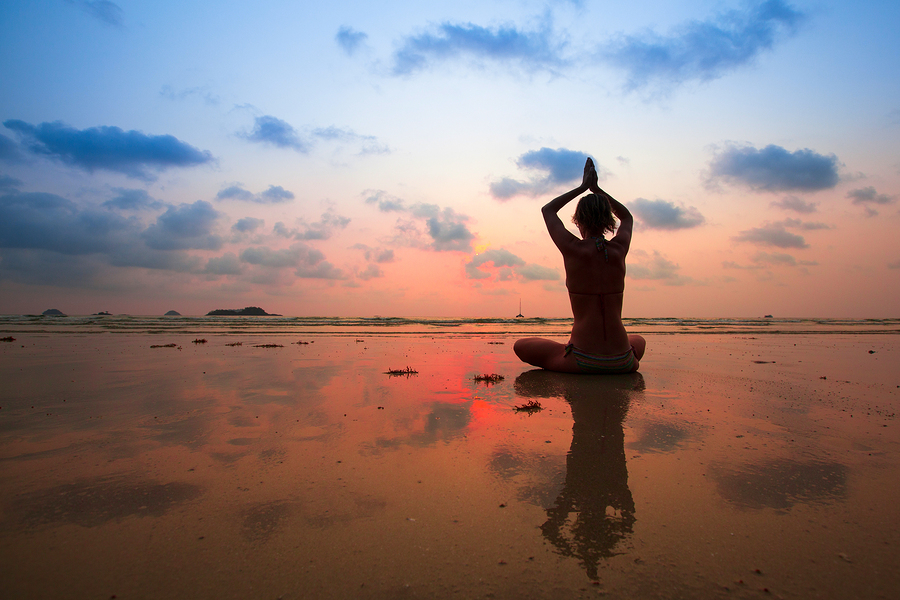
(595, 278)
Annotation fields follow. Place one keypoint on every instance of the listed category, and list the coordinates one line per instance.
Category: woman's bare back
(595, 278)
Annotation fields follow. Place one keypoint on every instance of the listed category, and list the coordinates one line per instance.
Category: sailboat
(520, 315)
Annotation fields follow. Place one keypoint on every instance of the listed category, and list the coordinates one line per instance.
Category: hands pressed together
(590, 179)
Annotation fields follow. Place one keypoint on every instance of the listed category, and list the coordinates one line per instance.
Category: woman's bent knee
(529, 349)
(639, 344)
(521, 346)
(539, 352)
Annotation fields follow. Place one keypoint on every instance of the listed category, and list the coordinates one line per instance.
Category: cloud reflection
(781, 483)
(95, 502)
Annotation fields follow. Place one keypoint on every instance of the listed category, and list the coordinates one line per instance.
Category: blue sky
(392, 158)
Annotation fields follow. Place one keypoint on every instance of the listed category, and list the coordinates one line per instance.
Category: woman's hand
(589, 181)
(551, 208)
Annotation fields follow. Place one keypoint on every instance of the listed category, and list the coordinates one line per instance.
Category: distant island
(250, 311)
(102, 313)
(53, 312)
(173, 313)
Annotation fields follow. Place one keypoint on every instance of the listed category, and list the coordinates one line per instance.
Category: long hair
(594, 213)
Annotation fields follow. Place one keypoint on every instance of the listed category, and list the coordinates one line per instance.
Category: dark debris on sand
(532, 406)
(164, 346)
(397, 372)
(489, 378)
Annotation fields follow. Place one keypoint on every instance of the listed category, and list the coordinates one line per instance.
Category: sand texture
(730, 467)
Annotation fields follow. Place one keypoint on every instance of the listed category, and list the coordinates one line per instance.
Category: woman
(595, 277)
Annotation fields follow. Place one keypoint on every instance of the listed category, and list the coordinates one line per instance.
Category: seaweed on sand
(397, 372)
(532, 406)
(489, 378)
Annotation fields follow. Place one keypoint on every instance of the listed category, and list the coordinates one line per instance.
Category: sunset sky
(391, 158)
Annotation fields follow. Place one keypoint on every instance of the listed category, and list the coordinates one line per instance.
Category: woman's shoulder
(617, 247)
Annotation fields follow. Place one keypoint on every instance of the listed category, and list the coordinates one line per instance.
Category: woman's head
(593, 215)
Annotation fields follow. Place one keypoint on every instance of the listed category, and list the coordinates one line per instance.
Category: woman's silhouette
(594, 512)
(595, 278)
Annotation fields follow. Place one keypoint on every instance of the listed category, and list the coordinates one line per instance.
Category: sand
(732, 466)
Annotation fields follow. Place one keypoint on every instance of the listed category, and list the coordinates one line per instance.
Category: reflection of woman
(596, 490)
(595, 278)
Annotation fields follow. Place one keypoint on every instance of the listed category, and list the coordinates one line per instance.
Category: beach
(738, 463)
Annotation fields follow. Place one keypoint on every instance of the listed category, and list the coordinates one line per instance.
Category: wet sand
(731, 466)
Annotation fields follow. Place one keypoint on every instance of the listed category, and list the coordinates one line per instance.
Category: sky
(392, 158)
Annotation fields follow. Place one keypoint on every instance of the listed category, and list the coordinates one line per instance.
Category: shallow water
(731, 466)
(400, 326)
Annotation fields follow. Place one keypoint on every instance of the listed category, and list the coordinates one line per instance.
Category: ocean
(424, 326)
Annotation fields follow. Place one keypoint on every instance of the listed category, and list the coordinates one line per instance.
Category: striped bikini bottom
(590, 363)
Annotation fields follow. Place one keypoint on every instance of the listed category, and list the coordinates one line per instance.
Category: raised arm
(561, 236)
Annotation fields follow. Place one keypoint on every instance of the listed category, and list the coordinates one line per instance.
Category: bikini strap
(600, 242)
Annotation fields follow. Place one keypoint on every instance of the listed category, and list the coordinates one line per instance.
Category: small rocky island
(53, 312)
(250, 311)
(172, 313)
